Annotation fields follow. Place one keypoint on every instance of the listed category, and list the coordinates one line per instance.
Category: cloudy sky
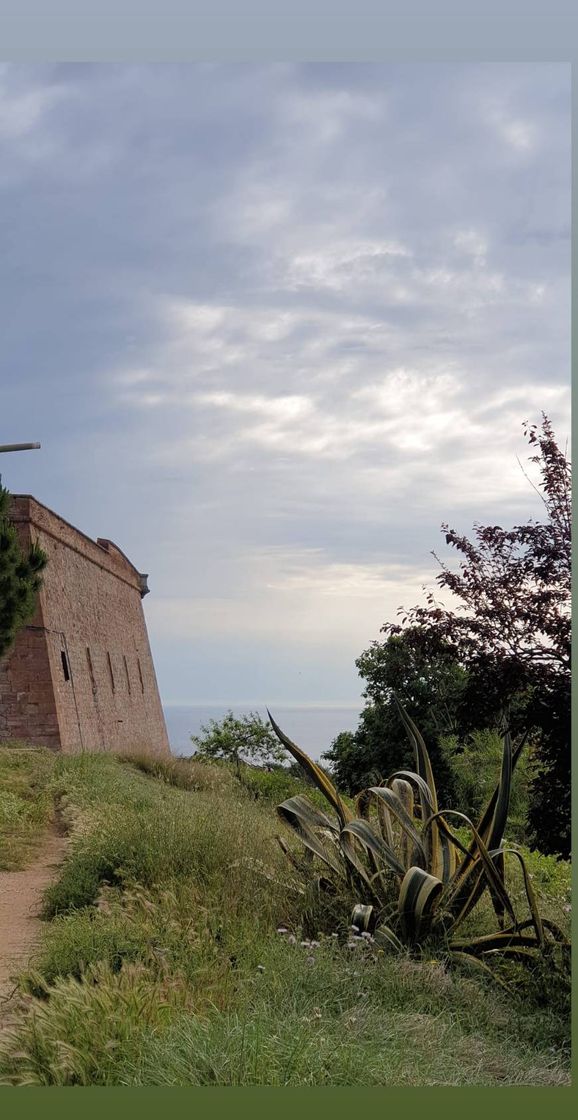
(273, 325)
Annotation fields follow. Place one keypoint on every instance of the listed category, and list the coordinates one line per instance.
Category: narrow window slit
(110, 670)
(91, 671)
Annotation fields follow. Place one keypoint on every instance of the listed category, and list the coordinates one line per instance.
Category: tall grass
(129, 829)
(294, 1015)
(184, 773)
(25, 803)
(175, 954)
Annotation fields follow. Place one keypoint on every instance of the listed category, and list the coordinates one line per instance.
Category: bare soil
(20, 925)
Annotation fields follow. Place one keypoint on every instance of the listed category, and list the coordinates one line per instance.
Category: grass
(26, 806)
(296, 1028)
(183, 773)
(552, 883)
(127, 828)
(294, 1015)
(276, 786)
(194, 774)
(174, 954)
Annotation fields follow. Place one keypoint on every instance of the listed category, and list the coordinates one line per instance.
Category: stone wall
(80, 676)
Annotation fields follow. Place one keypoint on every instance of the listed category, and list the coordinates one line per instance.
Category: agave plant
(416, 880)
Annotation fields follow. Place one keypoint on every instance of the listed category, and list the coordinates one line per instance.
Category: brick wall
(80, 676)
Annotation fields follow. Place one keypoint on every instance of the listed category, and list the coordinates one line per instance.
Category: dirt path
(20, 926)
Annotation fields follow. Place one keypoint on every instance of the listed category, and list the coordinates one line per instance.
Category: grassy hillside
(25, 803)
(179, 950)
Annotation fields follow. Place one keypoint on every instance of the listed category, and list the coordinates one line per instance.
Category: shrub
(271, 785)
(238, 739)
(473, 767)
(416, 880)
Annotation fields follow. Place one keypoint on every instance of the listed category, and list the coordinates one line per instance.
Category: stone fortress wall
(80, 675)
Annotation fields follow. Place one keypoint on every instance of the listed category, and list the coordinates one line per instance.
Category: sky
(274, 324)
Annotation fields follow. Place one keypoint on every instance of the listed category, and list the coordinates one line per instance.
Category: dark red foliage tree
(511, 630)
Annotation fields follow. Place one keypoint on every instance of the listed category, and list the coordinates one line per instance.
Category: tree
(430, 684)
(20, 578)
(511, 630)
(474, 762)
(239, 739)
(357, 757)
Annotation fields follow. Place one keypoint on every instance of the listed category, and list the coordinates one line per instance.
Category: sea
(313, 728)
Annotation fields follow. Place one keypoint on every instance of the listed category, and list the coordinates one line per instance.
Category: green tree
(363, 757)
(239, 739)
(20, 577)
(430, 684)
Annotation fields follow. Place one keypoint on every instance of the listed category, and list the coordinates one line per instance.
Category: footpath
(20, 925)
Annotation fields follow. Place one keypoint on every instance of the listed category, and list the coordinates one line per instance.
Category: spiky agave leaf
(383, 815)
(434, 898)
(489, 942)
(426, 800)
(458, 900)
(530, 895)
(514, 937)
(490, 828)
(398, 811)
(385, 937)
(423, 764)
(363, 831)
(359, 833)
(418, 896)
(467, 879)
(493, 822)
(404, 791)
(440, 856)
(308, 813)
(490, 835)
(500, 865)
(502, 807)
(363, 917)
(304, 818)
(424, 769)
(323, 783)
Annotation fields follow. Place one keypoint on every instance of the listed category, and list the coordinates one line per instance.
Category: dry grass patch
(183, 773)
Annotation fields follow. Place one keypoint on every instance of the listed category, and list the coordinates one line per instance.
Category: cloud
(338, 267)
(22, 113)
(517, 133)
(323, 116)
(303, 597)
(283, 320)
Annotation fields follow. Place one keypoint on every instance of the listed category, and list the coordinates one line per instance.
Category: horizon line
(283, 704)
